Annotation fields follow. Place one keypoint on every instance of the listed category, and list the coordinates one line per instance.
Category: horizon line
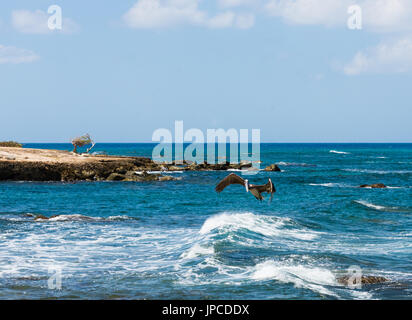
(293, 142)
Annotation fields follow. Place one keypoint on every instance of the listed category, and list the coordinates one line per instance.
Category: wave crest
(338, 152)
(378, 207)
(265, 225)
(330, 184)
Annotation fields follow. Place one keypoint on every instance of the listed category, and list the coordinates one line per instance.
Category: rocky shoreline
(19, 164)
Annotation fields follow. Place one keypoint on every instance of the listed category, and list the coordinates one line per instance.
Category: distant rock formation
(373, 186)
(272, 167)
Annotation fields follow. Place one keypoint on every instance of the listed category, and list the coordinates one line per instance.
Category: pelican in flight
(254, 189)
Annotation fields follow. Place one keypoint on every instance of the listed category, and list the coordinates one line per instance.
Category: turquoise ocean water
(181, 240)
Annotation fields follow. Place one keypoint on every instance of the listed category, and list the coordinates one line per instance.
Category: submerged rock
(168, 178)
(364, 280)
(142, 177)
(174, 168)
(139, 176)
(373, 186)
(40, 217)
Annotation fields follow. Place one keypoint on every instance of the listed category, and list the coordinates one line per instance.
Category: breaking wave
(378, 207)
(339, 152)
(220, 233)
(265, 225)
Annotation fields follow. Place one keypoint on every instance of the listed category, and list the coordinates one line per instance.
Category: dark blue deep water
(180, 240)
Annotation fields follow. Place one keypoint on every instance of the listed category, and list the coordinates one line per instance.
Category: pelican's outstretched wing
(256, 193)
(230, 179)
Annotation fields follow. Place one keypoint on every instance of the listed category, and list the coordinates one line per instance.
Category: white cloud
(222, 20)
(236, 3)
(391, 57)
(15, 55)
(388, 15)
(36, 22)
(154, 14)
(378, 15)
(148, 14)
(245, 21)
(323, 12)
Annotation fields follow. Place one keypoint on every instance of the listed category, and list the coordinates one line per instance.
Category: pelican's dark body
(254, 189)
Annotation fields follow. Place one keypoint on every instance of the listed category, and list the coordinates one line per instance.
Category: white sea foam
(118, 248)
(80, 217)
(116, 218)
(330, 184)
(295, 164)
(301, 276)
(378, 171)
(339, 152)
(31, 217)
(157, 172)
(245, 170)
(197, 250)
(73, 217)
(168, 172)
(12, 219)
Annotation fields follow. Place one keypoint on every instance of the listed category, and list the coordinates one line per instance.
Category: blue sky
(121, 69)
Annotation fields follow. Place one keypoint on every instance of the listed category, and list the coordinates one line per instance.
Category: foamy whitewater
(181, 240)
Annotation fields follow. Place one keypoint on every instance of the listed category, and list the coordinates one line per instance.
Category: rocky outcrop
(373, 186)
(116, 177)
(97, 170)
(272, 167)
(364, 280)
(10, 144)
(140, 177)
(21, 164)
